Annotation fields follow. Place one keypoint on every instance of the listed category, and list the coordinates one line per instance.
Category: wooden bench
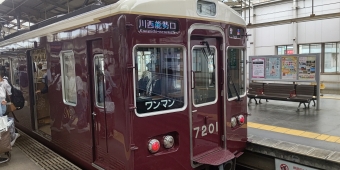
(282, 92)
(276, 91)
(254, 90)
(306, 91)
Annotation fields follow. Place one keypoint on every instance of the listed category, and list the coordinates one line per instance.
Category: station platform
(29, 154)
(275, 128)
(306, 136)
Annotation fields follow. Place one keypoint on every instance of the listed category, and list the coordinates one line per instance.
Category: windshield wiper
(209, 51)
(230, 80)
(207, 59)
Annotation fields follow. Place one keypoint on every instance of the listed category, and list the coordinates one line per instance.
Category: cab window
(159, 79)
(235, 73)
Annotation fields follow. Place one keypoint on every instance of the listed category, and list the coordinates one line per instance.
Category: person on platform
(4, 86)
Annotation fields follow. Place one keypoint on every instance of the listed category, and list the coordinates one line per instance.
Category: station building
(279, 27)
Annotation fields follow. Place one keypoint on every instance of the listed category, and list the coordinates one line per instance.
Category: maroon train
(139, 84)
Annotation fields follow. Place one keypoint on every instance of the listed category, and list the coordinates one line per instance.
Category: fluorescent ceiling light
(25, 24)
(1, 1)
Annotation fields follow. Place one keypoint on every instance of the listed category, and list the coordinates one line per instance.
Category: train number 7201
(211, 128)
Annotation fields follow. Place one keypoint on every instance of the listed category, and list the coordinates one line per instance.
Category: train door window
(6, 66)
(15, 73)
(236, 74)
(69, 84)
(159, 79)
(204, 75)
(99, 74)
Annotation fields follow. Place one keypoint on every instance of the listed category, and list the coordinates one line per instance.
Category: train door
(37, 63)
(207, 95)
(100, 131)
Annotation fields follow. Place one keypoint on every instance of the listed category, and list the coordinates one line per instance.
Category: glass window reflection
(69, 78)
(235, 72)
(159, 78)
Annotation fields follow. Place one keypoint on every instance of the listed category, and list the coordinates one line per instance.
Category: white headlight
(168, 141)
(233, 122)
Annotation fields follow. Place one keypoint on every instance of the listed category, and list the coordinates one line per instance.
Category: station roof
(34, 11)
(30, 12)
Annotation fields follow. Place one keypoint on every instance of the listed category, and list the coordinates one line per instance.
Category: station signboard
(297, 67)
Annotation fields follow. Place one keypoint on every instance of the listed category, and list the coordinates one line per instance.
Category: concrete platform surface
(19, 161)
(29, 154)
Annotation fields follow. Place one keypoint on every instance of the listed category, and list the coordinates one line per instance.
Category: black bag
(142, 83)
(17, 97)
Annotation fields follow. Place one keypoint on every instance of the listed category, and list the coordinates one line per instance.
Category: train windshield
(204, 73)
(236, 73)
(159, 79)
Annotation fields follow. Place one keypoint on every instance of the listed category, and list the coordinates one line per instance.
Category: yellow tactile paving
(267, 127)
(295, 132)
(338, 141)
(254, 125)
(332, 139)
(280, 129)
(322, 137)
(310, 135)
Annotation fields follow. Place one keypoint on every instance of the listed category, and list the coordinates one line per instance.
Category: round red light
(154, 145)
(241, 119)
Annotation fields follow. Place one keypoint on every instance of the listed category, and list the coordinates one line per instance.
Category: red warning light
(154, 145)
(240, 119)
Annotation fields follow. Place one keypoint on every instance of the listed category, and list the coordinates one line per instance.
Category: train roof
(92, 14)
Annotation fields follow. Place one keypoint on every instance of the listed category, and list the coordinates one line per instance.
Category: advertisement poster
(289, 67)
(307, 68)
(285, 165)
(258, 67)
(273, 68)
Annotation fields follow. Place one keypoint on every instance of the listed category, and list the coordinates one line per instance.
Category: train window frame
(185, 83)
(216, 77)
(62, 63)
(98, 55)
(244, 72)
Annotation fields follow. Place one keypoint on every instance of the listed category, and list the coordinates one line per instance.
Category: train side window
(15, 78)
(69, 85)
(236, 74)
(99, 74)
(159, 79)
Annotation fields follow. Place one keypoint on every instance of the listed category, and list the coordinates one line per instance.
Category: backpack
(17, 97)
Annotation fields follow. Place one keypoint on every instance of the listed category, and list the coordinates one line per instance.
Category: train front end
(188, 69)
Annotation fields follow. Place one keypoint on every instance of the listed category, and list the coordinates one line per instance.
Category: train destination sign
(161, 26)
(146, 104)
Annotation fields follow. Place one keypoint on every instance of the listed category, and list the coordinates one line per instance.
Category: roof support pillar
(295, 27)
(17, 12)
